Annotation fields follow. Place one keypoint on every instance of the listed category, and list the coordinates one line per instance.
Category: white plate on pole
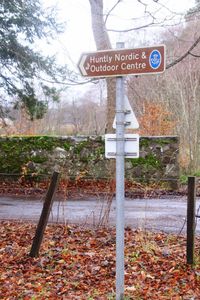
(131, 145)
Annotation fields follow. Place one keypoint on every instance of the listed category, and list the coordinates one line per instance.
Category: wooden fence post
(191, 207)
(44, 216)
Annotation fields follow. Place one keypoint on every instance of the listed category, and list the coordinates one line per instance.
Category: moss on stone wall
(75, 155)
(17, 151)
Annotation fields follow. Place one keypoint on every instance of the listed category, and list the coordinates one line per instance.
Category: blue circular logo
(155, 59)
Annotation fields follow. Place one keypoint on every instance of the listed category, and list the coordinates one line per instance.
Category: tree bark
(102, 43)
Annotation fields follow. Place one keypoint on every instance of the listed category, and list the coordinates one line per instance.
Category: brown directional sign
(122, 62)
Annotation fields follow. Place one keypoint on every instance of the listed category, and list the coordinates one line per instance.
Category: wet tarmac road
(167, 214)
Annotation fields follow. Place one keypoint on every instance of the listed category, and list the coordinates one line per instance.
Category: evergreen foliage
(22, 67)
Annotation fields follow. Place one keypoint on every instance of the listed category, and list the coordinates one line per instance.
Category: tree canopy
(22, 67)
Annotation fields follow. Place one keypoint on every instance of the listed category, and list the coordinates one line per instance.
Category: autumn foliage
(79, 263)
(156, 120)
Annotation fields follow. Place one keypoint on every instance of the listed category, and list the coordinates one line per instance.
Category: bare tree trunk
(110, 112)
(103, 42)
(98, 26)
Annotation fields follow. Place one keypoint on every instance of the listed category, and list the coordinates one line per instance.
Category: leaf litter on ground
(79, 263)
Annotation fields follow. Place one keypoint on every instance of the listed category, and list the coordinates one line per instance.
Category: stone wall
(84, 156)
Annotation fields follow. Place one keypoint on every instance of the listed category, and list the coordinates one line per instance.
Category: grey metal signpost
(118, 63)
(120, 128)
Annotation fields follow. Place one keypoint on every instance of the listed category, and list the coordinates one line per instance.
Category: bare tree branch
(188, 52)
(169, 10)
(131, 29)
(70, 82)
(194, 55)
(154, 21)
(150, 24)
(109, 12)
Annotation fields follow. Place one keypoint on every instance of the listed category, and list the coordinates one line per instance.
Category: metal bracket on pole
(123, 123)
(131, 154)
(122, 139)
(127, 112)
(115, 139)
(123, 111)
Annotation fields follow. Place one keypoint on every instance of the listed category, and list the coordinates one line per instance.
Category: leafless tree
(178, 88)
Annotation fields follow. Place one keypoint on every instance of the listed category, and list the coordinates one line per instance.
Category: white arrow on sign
(130, 118)
(81, 64)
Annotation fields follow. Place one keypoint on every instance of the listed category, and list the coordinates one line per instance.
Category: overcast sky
(78, 37)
